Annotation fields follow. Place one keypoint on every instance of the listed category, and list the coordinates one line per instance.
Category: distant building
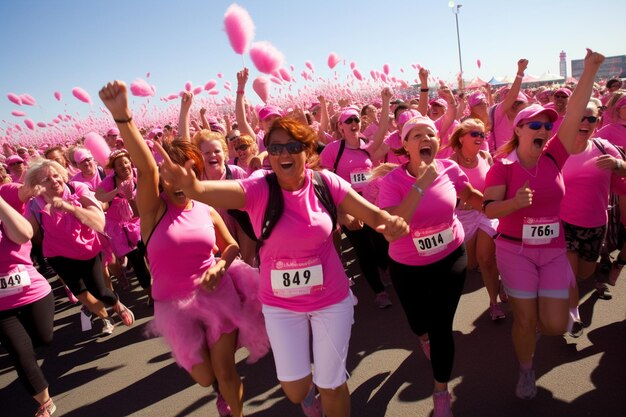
(563, 64)
(613, 66)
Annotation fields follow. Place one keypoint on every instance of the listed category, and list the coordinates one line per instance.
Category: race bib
(359, 177)
(14, 283)
(540, 230)
(432, 240)
(293, 277)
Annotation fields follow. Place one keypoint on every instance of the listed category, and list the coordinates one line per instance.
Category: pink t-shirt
(434, 215)
(477, 175)
(16, 258)
(64, 235)
(180, 250)
(502, 128)
(587, 187)
(119, 210)
(394, 142)
(92, 182)
(355, 165)
(302, 236)
(444, 137)
(614, 133)
(546, 181)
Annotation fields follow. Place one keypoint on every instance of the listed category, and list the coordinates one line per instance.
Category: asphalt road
(127, 374)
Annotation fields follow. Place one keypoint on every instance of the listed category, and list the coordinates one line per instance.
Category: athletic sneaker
(107, 327)
(311, 405)
(223, 409)
(382, 300)
(526, 387)
(425, 345)
(603, 291)
(496, 312)
(616, 268)
(46, 409)
(442, 406)
(127, 316)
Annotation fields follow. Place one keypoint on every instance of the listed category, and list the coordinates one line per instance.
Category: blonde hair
(206, 135)
(610, 106)
(466, 126)
(33, 174)
(246, 140)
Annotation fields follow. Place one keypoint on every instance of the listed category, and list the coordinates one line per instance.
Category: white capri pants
(289, 334)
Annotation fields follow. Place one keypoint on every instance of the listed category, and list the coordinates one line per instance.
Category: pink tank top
(477, 174)
(180, 249)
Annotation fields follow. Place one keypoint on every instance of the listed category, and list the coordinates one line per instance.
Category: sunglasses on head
(537, 125)
(351, 120)
(292, 148)
(590, 119)
(476, 134)
(242, 148)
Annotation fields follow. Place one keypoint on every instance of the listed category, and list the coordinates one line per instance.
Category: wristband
(486, 203)
(520, 76)
(240, 92)
(122, 121)
(424, 90)
(418, 189)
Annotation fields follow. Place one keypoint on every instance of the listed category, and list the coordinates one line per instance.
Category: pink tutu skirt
(190, 324)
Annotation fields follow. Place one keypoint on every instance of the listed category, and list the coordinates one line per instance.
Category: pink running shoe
(127, 316)
(46, 409)
(311, 405)
(442, 406)
(223, 409)
(71, 295)
(496, 312)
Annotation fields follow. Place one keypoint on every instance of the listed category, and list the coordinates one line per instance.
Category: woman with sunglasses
(352, 158)
(26, 299)
(246, 150)
(122, 227)
(293, 306)
(197, 308)
(524, 189)
(588, 175)
(428, 266)
(468, 142)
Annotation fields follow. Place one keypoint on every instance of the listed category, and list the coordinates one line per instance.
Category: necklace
(466, 160)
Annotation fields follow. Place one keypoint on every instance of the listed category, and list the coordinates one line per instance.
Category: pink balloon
(188, 86)
(14, 98)
(352, 65)
(333, 60)
(81, 94)
(227, 87)
(284, 74)
(373, 75)
(197, 91)
(147, 75)
(41, 124)
(261, 87)
(386, 69)
(97, 146)
(309, 65)
(57, 95)
(208, 86)
(478, 63)
(29, 124)
(276, 80)
(239, 28)
(141, 88)
(220, 75)
(172, 97)
(28, 100)
(266, 57)
(292, 68)
(357, 74)
(18, 113)
(214, 92)
(383, 77)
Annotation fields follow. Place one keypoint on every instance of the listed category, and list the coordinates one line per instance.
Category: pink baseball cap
(563, 90)
(438, 102)
(348, 112)
(81, 154)
(417, 121)
(154, 131)
(113, 131)
(268, 111)
(534, 110)
(406, 116)
(13, 159)
(476, 98)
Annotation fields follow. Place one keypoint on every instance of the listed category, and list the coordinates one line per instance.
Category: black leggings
(367, 253)
(21, 330)
(81, 276)
(137, 260)
(429, 295)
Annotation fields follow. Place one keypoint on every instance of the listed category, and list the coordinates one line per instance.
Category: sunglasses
(232, 138)
(15, 163)
(560, 96)
(292, 148)
(537, 125)
(351, 120)
(590, 119)
(476, 134)
(242, 148)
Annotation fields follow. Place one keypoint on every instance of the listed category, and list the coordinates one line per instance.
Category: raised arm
(379, 148)
(14, 225)
(422, 107)
(115, 97)
(451, 111)
(578, 101)
(204, 120)
(240, 106)
(324, 119)
(511, 97)
(183, 119)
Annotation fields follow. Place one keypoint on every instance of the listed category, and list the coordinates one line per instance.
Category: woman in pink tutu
(204, 307)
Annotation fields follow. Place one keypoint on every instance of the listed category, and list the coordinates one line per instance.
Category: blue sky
(55, 45)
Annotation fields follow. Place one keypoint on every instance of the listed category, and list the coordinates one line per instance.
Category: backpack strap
(101, 173)
(273, 211)
(342, 147)
(492, 120)
(323, 195)
(229, 173)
